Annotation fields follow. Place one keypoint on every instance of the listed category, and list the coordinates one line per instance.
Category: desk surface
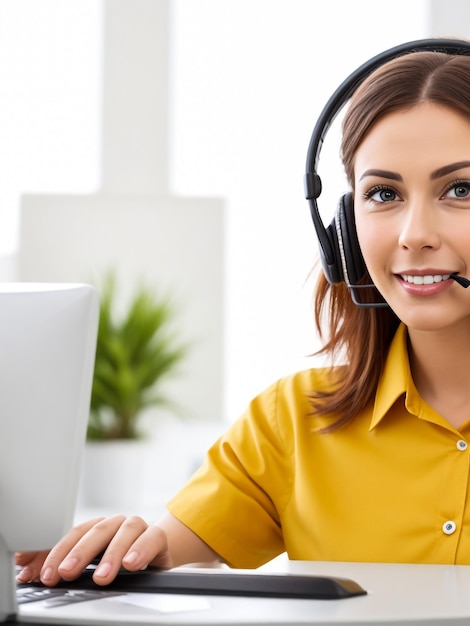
(408, 595)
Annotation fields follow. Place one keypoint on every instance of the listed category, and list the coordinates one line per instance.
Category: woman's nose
(419, 227)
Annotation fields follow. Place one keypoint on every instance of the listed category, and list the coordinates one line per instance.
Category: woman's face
(412, 210)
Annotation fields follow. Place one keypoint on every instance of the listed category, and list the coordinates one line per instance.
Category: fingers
(151, 547)
(31, 562)
(128, 542)
(44, 565)
(133, 547)
(70, 556)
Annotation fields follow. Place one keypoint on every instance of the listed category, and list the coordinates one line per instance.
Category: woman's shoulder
(285, 407)
(291, 394)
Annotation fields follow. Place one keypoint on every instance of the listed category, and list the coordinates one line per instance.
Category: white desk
(409, 595)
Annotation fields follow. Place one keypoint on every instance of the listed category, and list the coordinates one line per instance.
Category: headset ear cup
(352, 261)
(333, 270)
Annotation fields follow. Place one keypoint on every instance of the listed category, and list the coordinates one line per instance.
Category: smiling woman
(366, 461)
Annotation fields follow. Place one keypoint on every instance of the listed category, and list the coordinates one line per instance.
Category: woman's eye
(459, 190)
(381, 194)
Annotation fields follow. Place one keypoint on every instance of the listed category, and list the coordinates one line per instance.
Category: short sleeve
(234, 501)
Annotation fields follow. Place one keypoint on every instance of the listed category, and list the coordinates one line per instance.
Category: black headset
(340, 253)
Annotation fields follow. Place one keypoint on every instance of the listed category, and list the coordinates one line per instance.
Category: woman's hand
(124, 541)
(127, 542)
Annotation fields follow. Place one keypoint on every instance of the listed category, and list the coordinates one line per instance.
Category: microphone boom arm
(463, 282)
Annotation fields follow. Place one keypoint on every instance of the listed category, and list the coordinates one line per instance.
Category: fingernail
(102, 570)
(69, 563)
(47, 574)
(25, 576)
(131, 558)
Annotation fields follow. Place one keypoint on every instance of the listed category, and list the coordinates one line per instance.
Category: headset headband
(312, 181)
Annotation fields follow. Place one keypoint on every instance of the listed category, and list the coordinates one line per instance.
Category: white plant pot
(140, 476)
(114, 475)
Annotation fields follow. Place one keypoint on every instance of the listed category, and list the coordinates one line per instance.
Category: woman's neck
(440, 365)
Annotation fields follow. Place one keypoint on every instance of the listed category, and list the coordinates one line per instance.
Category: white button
(449, 527)
(462, 445)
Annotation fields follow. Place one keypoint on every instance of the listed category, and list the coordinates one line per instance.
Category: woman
(366, 461)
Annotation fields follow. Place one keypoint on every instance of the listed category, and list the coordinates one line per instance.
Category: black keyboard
(221, 582)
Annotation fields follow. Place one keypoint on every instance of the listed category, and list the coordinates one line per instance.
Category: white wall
(50, 74)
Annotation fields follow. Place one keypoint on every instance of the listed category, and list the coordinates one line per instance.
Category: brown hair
(363, 335)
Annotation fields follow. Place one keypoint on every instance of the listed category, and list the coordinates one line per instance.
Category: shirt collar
(395, 379)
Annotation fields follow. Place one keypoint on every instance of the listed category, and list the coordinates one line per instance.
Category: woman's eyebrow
(447, 169)
(441, 171)
(382, 174)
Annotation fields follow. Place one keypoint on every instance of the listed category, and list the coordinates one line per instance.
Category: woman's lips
(425, 284)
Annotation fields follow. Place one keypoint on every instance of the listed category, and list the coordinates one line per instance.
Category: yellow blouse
(392, 486)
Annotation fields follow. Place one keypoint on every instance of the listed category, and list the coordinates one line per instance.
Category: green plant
(133, 355)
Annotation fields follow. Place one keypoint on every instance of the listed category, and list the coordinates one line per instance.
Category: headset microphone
(463, 282)
(340, 253)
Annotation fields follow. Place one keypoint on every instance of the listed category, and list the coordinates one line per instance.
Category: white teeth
(425, 280)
